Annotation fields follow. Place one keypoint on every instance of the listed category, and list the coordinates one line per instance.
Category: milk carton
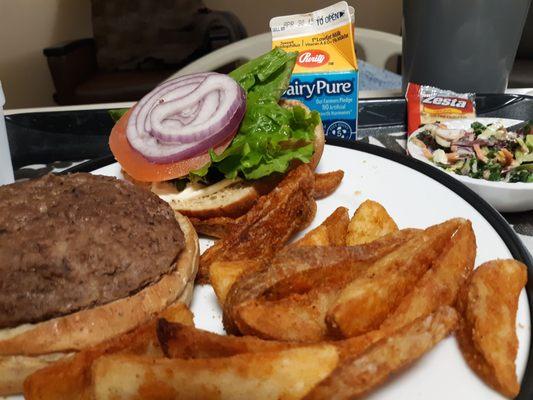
(325, 75)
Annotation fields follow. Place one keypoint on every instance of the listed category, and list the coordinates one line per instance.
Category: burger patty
(72, 242)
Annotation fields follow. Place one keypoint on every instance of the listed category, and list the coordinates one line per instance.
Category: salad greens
(270, 136)
(488, 152)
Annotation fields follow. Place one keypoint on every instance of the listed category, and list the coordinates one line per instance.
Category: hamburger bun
(31, 339)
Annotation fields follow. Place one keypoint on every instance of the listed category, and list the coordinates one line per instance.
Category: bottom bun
(186, 295)
(227, 198)
(29, 347)
(15, 369)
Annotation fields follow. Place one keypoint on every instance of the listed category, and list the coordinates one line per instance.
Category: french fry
(286, 374)
(317, 237)
(370, 222)
(223, 274)
(268, 225)
(367, 301)
(216, 227)
(440, 285)
(182, 341)
(179, 313)
(186, 342)
(358, 375)
(331, 232)
(326, 184)
(70, 378)
(297, 318)
(487, 333)
(301, 269)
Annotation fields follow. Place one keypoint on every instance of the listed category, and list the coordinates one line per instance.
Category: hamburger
(210, 144)
(84, 258)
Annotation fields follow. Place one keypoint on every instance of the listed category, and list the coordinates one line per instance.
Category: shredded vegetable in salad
(488, 152)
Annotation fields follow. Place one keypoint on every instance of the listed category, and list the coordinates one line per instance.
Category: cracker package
(429, 105)
(325, 75)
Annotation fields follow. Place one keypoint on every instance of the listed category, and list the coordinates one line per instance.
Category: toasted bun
(15, 369)
(28, 347)
(227, 198)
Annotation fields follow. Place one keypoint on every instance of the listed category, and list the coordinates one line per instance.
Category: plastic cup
(465, 46)
(6, 168)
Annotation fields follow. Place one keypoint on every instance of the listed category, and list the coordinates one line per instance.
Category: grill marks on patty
(73, 242)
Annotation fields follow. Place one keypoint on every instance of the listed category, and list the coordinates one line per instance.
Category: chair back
(149, 35)
(373, 46)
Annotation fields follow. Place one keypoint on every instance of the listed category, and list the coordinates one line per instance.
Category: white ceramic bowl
(503, 196)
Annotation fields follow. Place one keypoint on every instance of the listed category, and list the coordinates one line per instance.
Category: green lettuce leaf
(267, 77)
(270, 136)
(529, 142)
(117, 113)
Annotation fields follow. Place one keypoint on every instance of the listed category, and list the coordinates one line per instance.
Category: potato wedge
(298, 317)
(223, 274)
(327, 183)
(182, 341)
(366, 302)
(186, 342)
(70, 378)
(317, 237)
(295, 316)
(216, 227)
(331, 232)
(301, 269)
(356, 376)
(268, 225)
(440, 285)
(370, 222)
(286, 374)
(487, 333)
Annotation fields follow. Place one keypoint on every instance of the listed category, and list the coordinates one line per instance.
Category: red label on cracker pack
(427, 105)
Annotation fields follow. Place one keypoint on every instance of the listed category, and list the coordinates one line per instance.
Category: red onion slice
(186, 116)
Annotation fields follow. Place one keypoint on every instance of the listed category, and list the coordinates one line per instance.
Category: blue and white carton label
(325, 77)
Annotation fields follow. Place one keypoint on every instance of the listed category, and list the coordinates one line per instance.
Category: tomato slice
(139, 168)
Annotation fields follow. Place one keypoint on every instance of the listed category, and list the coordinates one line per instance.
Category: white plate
(503, 196)
(414, 200)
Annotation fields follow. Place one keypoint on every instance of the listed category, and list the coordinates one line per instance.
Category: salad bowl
(495, 187)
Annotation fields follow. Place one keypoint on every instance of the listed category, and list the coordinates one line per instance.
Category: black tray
(45, 137)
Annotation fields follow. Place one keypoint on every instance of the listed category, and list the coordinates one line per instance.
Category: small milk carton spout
(325, 75)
